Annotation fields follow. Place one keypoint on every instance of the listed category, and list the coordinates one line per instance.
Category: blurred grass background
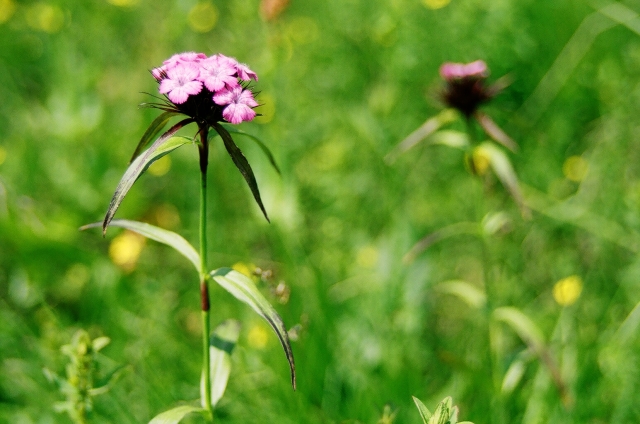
(342, 82)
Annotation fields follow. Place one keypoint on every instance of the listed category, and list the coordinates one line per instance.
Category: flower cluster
(466, 89)
(208, 89)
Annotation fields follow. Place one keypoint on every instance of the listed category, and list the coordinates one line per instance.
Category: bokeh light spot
(7, 8)
(567, 290)
(266, 109)
(575, 168)
(303, 30)
(480, 161)
(160, 167)
(367, 257)
(242, 268)
(258, 337)
(203, 17)
(167, 216)
(125, 250)
(435, 4)
(123, 3)
(45, 17)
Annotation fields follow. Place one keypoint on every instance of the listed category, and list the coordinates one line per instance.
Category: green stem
(496, 409)
(203, 150)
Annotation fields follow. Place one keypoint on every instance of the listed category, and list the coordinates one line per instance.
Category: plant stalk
(203, 150)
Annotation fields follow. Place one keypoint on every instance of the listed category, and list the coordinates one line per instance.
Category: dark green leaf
(241, 163)
(153, 130)
(260, 144)
(243, 289)
(158, 234)
(162, 146)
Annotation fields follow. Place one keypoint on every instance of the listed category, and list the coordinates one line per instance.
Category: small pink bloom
(218, 72)
(182, 58)
(240, 103)
(180, 83)
(450, 71)
(245, 73)
(159, 73)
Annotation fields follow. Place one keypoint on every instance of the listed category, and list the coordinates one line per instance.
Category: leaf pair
(166, 143)
(236, 283)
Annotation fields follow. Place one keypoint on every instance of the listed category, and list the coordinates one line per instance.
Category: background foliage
(342, 82)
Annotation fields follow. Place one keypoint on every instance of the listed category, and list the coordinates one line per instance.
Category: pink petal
(226, 96)
(245, 73)
(236, 113)
(246, 97)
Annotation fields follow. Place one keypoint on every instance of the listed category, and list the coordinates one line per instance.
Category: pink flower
(180, 83)
(450, 71)
(240, 103)
(182, 58)
(244, 73)
(218, 72)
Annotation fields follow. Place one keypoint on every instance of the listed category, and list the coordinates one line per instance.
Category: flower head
(207, 89)
(466, 89)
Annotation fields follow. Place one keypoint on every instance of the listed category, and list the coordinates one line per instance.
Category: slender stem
(203, 150)
(496, 409)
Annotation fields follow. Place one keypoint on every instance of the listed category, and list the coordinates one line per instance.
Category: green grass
(343, 82)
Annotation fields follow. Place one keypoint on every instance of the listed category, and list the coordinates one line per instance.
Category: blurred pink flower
(450, 70)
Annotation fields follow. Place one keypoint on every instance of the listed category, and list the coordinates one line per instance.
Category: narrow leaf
(241, 163)
(425, 414)
(523, 326)
(243, 289)
(162, 146)
(153, 130)
(504, 171)
(158, 234)
(495, 132)
(442, 412)
(465, 291)
(449, 231)
(425, 130)
(260, 144)
(221, 344)
(175, 415)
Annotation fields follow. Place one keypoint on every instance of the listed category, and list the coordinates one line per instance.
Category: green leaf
(221, 344)
(158, 234)
(243, 289)
(442, 412)
(425, 130)
(241, 163)
(465, 291)
(523, 326)
(153, 130)
(175, 415)
(260, 144)
(425, 414)
(495, 132)
(163, 145)
(504, 171)
(443, 233)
